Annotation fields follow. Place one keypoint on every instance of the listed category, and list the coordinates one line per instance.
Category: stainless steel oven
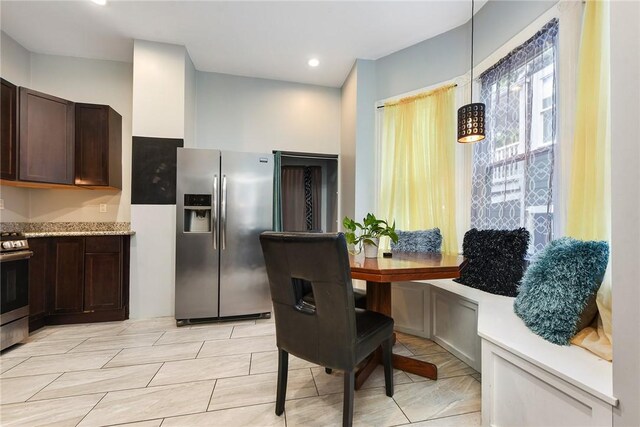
(14, 289)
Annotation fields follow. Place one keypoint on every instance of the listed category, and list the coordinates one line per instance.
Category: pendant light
(471, 116)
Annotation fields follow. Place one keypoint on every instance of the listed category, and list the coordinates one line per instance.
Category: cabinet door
(102, 284)
(8, 141)
(98, 157)
(67, 263)
(46, 139)
(92, 144)
(38, 281)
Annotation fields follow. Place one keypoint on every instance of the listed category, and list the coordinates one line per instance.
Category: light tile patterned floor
(150, 373)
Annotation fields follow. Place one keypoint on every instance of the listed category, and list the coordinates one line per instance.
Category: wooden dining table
(379, 273)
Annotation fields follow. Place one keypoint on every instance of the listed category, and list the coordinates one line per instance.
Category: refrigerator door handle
(223, 212)
(215, 212)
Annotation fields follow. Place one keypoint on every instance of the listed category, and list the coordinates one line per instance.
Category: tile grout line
(114, 356)
(313, 377)
(399, 407)
(154, 375)
(159, 338)
(199, 350)
(211, 396)
(42, 388)
(92, 408)
(15, 366)
(450, 416)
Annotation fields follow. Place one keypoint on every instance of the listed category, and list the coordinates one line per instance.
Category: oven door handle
(15, 256)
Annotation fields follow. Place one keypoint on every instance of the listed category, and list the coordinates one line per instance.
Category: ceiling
(264, 39)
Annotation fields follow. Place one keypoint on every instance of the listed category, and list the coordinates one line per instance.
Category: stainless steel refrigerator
(224, 201)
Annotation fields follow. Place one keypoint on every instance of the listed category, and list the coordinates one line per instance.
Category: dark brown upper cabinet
(8, 130)
(46, 138)
(98, 155)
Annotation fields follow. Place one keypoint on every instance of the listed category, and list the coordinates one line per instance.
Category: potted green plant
(368, 233)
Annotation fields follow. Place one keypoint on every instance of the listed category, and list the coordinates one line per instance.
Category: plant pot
(371, 251)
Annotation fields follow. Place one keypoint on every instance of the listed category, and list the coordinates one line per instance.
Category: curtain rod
(420, 95)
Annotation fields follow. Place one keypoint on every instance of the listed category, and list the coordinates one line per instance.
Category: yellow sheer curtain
(418, 164)
(589, 214)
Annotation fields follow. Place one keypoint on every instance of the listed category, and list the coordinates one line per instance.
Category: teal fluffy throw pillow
(558, 286)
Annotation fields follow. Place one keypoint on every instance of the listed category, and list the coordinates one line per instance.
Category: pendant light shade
(471, 116)
(471, 123)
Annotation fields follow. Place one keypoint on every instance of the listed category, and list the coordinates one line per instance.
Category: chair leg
(387, 360)
(328, 370)
(349, 391)
(283, 371)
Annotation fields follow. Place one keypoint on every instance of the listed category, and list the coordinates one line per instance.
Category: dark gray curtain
(277, 191)
(314, 195)
(301, 198)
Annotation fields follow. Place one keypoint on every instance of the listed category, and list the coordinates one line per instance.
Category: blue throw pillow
(421, 241)
(559, 285)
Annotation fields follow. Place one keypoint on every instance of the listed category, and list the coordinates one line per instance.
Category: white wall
(15, 66)
(190, 91)
(348, 145)
(625, 209)
(159, 89)
(249, 114)
(92, 81)
(365, 187)
(15, 61)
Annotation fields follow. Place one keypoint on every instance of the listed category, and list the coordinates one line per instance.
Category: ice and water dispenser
(197, 213)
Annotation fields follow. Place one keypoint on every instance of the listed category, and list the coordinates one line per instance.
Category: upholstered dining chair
(331, 332)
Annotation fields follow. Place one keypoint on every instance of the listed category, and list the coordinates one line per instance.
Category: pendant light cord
(471, 79)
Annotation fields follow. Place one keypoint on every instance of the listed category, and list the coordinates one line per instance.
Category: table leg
(379, 299)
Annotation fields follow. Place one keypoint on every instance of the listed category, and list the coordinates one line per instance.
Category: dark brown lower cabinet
(67, 275)
(78, 279)
(38, 309)
(102, 273)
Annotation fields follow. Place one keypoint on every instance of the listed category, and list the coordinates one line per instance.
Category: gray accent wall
(447, 56)
(260, 115)
(426, 63)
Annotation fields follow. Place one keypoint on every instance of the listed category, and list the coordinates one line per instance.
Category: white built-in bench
(526, 381)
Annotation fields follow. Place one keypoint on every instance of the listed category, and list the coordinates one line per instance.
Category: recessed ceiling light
(314, 62)
(100, 2)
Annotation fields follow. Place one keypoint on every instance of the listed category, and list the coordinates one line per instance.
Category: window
(513, 167)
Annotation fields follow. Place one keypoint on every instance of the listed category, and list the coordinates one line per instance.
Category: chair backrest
(325, 333)
(420, 241)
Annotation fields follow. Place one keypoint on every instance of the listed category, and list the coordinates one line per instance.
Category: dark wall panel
(153, 171)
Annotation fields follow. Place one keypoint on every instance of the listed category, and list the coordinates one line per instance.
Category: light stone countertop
(62, 229)
(32, 235)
